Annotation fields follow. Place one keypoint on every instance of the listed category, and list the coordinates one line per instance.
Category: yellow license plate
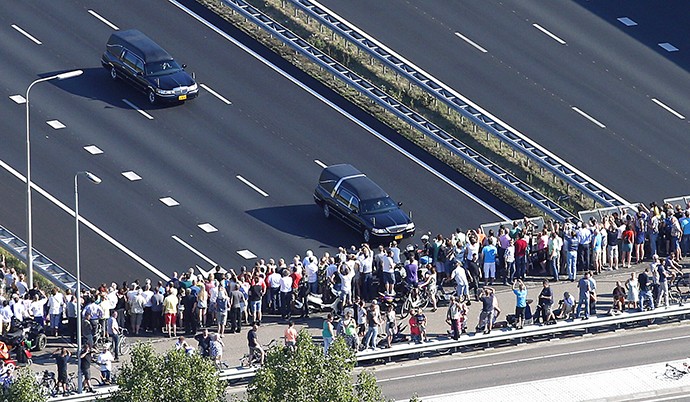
(398, 237)
(182, 97)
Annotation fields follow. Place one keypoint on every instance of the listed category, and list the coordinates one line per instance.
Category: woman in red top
(628, 240)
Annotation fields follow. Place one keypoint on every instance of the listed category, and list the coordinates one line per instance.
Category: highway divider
(396, 107)
(454, 100)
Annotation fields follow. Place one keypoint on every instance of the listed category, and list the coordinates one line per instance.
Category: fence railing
(462, 105)
(394, 106)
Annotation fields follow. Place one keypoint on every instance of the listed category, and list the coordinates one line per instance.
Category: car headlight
(165, 91)
(410, 226)
(378, 231)
(193, 88)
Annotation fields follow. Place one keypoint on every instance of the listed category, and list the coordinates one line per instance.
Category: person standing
(521, 253)
(113, 330)
(546, 303)
(645, 290)
(462, 287)
(486, 317)
(254, 345)
(189, 301)
(61, 356)
(572, 244)
(554, 249)
(56, 302)
(72, 310)
(373, 322)
(290, 336)
(585, 287)
(489, 253)
(520, 291)
(285, 294)
(236, 299)
(328, 333)
(170, 312)
(105, 360)
(85, 367)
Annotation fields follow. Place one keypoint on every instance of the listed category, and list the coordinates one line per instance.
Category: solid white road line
(216, 94)
(87, 223)
(28, 35)
(471, 42)
(103, 20)
(247, 182)
(135, 107)
(588, 117)
(318, 162)
(552, 36)
(193, 250)
(341, 111)
(668, 109)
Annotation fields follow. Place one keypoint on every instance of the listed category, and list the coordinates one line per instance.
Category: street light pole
(95, 180)
(29, 234)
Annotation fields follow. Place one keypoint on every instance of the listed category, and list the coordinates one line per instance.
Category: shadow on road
(307, 222)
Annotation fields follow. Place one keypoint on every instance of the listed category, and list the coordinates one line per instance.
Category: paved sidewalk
(630, 383)
(273, 327)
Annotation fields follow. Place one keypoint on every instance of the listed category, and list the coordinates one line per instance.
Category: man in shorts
(487, 315)
(254, 345)
(170, 313)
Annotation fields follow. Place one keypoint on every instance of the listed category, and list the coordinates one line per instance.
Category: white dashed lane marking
(169, 201)
(207, 227)
(318, 162)
(627, 21)
(18, 99)
(216, 94)
(135, 107)
(131, 176)
(668, 47)
(103, 20)
(668, 109)
(246, 254)
(255, 188)
(549, 34)
(56, 124)
(93, 150)
(28, 35)
(588, 117)
(471, 42)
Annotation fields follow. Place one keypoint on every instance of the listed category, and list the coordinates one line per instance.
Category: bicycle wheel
(405, 309)
(424, 302)
(95, 382)
(123, 347)
(48, 387)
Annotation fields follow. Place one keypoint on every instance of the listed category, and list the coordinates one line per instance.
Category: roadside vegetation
(410, 95)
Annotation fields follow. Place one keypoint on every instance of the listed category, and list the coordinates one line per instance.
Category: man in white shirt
(285, 294)
(274, 288)
(114, 333)
(56, 301)
(6, 316)
(346, 274)
(18, 307)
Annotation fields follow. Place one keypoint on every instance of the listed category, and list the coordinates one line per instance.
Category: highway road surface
(603, 85)
(224, 178)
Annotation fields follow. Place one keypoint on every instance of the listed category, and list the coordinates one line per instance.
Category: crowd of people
(367, 281)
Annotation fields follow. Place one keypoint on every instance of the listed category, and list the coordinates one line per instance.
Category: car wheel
(366, 235)
(113, 73)
(151, 96)
(326, 211)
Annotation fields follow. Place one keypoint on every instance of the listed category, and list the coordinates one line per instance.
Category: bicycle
(674, 373)
(49, 387)
(100, 341)
(253, 360)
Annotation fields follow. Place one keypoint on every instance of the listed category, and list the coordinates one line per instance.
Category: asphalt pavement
(225, 178)
(604, 96)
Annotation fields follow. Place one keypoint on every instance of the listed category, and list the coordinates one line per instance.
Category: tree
(24, 388)
(306, 375)
(173, 376)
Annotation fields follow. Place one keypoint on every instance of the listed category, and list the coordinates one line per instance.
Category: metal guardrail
(408, 349)
(44, 265)
(401, 111)
(682, 201)
(599, 213)
(462, 105)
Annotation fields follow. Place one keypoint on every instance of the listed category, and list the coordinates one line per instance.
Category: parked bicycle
(100, 341)
(48, 385)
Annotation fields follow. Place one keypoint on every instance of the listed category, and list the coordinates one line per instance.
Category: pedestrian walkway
(630, 383)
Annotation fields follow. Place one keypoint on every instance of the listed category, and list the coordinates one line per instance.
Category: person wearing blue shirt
(489, 253)
(685, 226)
(520, 291)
